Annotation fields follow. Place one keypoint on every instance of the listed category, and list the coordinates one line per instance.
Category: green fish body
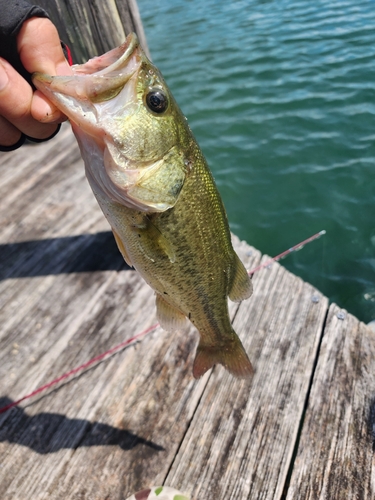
(153, 185)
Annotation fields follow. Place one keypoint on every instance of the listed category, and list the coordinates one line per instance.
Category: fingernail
(45, 109)
(41, 109)
(4, 79)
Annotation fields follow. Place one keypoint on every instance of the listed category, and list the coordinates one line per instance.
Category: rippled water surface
(280, 96)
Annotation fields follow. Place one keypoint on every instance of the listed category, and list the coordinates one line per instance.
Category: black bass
(154, 186)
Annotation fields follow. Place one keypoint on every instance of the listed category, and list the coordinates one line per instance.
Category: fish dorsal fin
(241, 287)
(122, 249)
(170, 318)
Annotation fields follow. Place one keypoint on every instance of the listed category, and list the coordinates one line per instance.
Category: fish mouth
(100, 98)
(97, 81)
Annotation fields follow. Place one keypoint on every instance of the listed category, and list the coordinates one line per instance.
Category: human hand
(23, 110)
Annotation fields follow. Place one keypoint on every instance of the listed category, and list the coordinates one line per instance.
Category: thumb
(40, 49)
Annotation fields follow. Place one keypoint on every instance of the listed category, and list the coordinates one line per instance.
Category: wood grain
(117, 427)
(139, 418)
(335, 457)
(92, 27)
(241, 440)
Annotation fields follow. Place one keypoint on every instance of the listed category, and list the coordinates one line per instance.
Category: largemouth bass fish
(154, 187)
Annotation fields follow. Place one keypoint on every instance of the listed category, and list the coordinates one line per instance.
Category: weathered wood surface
(336, 451)
(241, 439)
(92, 27)
(139, 418)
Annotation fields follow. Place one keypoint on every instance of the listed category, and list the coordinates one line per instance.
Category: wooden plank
(92, 27)
(131, 20)
(241, 440)
(117, 427)
(29, 176)
(335, 458)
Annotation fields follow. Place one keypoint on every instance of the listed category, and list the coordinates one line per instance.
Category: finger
(44, 111)
(9, 134)
(40, 50)
(15, 103)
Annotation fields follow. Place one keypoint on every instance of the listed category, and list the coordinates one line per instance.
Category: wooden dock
(302, 428)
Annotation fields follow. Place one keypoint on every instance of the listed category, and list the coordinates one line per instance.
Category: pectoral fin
(170, 318)
(241, 287)
(158, 243)
(122, 249)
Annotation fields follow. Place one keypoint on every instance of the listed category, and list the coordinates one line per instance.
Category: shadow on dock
(51, 256)
(51, 432)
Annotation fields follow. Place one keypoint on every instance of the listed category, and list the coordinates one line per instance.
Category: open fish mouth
(128, 155)
(97, 81)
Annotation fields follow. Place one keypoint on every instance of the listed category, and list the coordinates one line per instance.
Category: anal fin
(241, 287)
(122, 248)
(170, 318)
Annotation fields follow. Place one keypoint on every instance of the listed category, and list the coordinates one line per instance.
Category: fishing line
(98, 358)
(299, 246)
(138, 336)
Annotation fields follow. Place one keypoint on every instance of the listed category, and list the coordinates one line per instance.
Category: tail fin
(232, 356)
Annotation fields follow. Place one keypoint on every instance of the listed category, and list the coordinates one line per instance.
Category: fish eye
(157, 101)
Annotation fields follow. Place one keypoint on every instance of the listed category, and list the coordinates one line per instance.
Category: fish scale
(153, 184)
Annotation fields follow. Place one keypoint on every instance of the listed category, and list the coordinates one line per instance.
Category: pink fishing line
(287, 252)
(143, 333)
(81, 367)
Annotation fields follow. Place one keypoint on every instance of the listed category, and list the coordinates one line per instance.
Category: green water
(280, 96)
